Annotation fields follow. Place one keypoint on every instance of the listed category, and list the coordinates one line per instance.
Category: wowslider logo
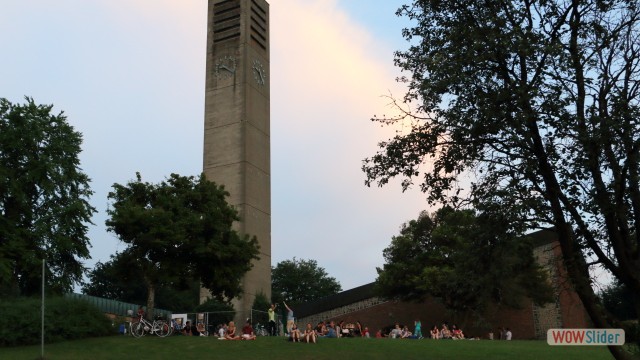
(585, 337)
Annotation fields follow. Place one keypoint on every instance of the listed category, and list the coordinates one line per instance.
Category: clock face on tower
(259, 72)
(225, 67)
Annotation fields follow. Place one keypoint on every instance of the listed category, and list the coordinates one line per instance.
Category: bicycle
(142, 326)
(260, 330)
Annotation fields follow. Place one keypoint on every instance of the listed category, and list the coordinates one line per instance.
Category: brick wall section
(573, 313)
(529, 322)
(381, 314)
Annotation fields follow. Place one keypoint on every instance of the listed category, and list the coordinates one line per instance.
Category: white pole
(42, 322)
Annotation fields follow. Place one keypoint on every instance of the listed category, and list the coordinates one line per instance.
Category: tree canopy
(529, 108)
(618, 300)
(114, 279)
(299, 281)
(468, 262)
(181, 229)
(44, 208)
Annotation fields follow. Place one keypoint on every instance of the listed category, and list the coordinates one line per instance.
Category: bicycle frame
(142, 326)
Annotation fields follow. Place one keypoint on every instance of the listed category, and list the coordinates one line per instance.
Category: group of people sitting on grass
(328, 329)
(402, 332)
(331, 329)
(192, 330)
(455, 333)
(224, 331)
(230, 331)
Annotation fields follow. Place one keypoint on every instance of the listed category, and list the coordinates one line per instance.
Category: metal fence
(115, 307)
(212, 321)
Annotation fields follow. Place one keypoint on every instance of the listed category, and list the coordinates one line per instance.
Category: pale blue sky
(130, 77)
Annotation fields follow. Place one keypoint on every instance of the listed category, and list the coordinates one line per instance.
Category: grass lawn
(184, 348)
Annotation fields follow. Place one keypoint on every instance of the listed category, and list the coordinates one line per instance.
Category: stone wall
(528, 322)
(548, 316)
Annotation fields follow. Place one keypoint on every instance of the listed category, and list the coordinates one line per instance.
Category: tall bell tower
(236, 125)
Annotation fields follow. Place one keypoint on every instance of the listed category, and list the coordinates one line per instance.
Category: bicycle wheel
(162, 328)
(137, 329)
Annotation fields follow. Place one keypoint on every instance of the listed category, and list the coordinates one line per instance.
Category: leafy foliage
(44, 196)
(65, 319)
(298, 281)
(619, 300)
(531, 109)
(180, 230)
(261, 303)
(466, 261)
(219, 312)
(115, 280)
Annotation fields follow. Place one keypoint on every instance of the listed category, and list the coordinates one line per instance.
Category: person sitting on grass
(405, 334)
(396, 333)
(294, 333)
(331, 330)
(456, 333)
(357, 330)
(222, 330)
(231, 332)
(309, 334)
(200, 329)
(365, 333)
(187, 329)
(435, 333)
(445, 333)
(247, 331)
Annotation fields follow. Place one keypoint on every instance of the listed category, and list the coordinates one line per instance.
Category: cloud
(130, 76)
(329, 77)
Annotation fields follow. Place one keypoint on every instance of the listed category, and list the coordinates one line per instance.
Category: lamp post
(42, 310)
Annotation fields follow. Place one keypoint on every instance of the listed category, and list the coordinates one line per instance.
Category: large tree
(297, 281)
(116, 279)
(531, 108)
(44, 208)
(471, 263)
(180, 230)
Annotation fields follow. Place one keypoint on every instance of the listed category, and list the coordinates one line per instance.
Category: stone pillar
(237, 126)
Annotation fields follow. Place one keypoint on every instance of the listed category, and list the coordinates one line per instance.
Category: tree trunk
(572, 254)
(574, 261)
(151, 299)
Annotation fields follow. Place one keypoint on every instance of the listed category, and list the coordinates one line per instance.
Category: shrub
(632, 335)
(261, 303)
(219, 312)
(65, 319)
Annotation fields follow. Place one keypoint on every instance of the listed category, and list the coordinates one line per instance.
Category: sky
(130, 76)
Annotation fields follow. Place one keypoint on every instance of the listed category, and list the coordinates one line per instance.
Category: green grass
(184, 348)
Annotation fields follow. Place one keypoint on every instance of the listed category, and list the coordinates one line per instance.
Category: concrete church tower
(237, 135)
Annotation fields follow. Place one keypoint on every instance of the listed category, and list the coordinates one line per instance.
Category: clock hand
(225, 67)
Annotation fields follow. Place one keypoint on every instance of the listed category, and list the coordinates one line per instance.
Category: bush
(261, 303)
(65, 319)
(632, 335)
(219, 312)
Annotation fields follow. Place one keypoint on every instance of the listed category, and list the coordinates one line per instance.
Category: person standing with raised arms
(272, 319)
(290, 318)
